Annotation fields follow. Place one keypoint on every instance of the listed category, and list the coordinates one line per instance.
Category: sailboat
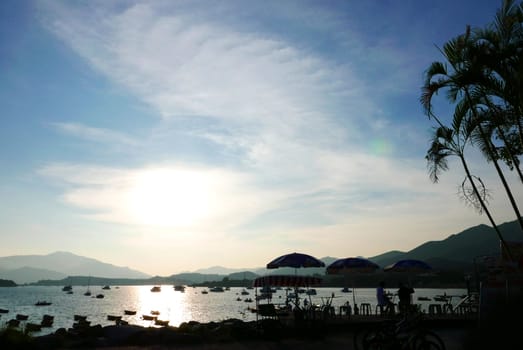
(88, 291)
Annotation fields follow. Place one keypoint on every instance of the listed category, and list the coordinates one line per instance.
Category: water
(174, 306)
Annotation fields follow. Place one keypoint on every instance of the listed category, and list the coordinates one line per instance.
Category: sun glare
(164, 197)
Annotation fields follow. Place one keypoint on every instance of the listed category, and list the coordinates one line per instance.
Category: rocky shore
(227, 334)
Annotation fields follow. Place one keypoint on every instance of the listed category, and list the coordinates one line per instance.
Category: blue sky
(169, 136)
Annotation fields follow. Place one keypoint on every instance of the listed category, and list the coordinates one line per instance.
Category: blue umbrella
(409, 265)
(295, 260)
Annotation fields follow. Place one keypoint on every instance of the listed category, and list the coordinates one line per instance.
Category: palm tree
(466, 75)
(451, 142)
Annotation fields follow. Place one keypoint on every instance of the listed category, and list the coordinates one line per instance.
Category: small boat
(148, 317)
(33, 327)
(87, 293)
(346, 290)
(42, 303)
(179, 288)
(424, 299)
(161, 322)
(67, 288)
(113, 318)
(248, 300)
(47, 321)
(21, 317)
(129, 312)
(156, 289)
(444, 298)
(106, 287)
(245, 292)
(3, 311)
(217, 289)
(205, 291)
(311, 291)
(99, 296)
(155, 312)
(80, 317)
(13, 323)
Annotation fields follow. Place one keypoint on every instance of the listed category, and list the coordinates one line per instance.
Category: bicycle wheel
(424, 339)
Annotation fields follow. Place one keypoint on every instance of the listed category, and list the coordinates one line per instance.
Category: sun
(169, 197)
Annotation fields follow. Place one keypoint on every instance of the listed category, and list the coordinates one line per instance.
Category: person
(405, 297)
(384, 302)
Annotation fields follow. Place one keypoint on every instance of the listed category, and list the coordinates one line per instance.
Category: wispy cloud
(98, 135)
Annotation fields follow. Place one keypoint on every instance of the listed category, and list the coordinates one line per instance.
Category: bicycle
(405, 334)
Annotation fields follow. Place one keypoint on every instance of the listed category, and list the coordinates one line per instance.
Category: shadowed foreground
(229, 334)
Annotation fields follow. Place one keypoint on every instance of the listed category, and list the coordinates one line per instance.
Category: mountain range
(456, 252)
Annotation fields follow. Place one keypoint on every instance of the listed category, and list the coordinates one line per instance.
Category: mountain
(31, 268)
(458, 250)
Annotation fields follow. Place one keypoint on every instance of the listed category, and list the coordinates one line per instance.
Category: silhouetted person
(405, 297)
(384, 302)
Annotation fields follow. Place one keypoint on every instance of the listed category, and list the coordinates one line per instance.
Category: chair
(365, 309)
(268, 311)
(435, 309)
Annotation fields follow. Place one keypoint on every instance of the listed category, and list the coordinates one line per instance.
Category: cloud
(97, 135)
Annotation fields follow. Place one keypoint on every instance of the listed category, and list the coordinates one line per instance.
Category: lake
(174, 306)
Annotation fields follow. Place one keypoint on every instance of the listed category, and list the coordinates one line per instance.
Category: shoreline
(230, 334)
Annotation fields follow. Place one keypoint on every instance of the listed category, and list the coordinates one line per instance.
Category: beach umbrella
(295, 260)
(409, 266)
(346, 266)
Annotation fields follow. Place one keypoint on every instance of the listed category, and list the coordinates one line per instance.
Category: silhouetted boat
(106, 287)
(113, 318)
(156, 289)
(129, 312)
(67, 288)
(148, 317)
(80, 317)
(161, 322)
(33, 327)
(42, 303)
(100, 296)
(217, 289)
(179, 288)
(3, 311)
(21, 317)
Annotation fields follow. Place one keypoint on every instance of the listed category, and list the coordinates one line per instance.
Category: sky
(170, 136)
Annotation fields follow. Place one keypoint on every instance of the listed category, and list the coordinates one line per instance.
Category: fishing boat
(179, 288)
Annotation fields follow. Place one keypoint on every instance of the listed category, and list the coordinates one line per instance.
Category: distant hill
(31, 268)
(458, 250)
(457, 253)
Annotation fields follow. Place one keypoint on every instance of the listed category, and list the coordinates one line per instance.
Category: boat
(424, 299)
(47, 321)
(346, 290)
(42, 303)
(217, 289)
(21, 317)
(113, 318)
(67, 288)
(80, 317)
(156, 289)
(245, 292)
(106, 287)
(248, 300)
(129, 312)
(88, 291)
(311, 291)
(100, 296)
(3, 311)
(155, 312)
(161, 322)
(205, 291)
(148, 317)
(13, 323)
(33, 327)
(179, 288)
